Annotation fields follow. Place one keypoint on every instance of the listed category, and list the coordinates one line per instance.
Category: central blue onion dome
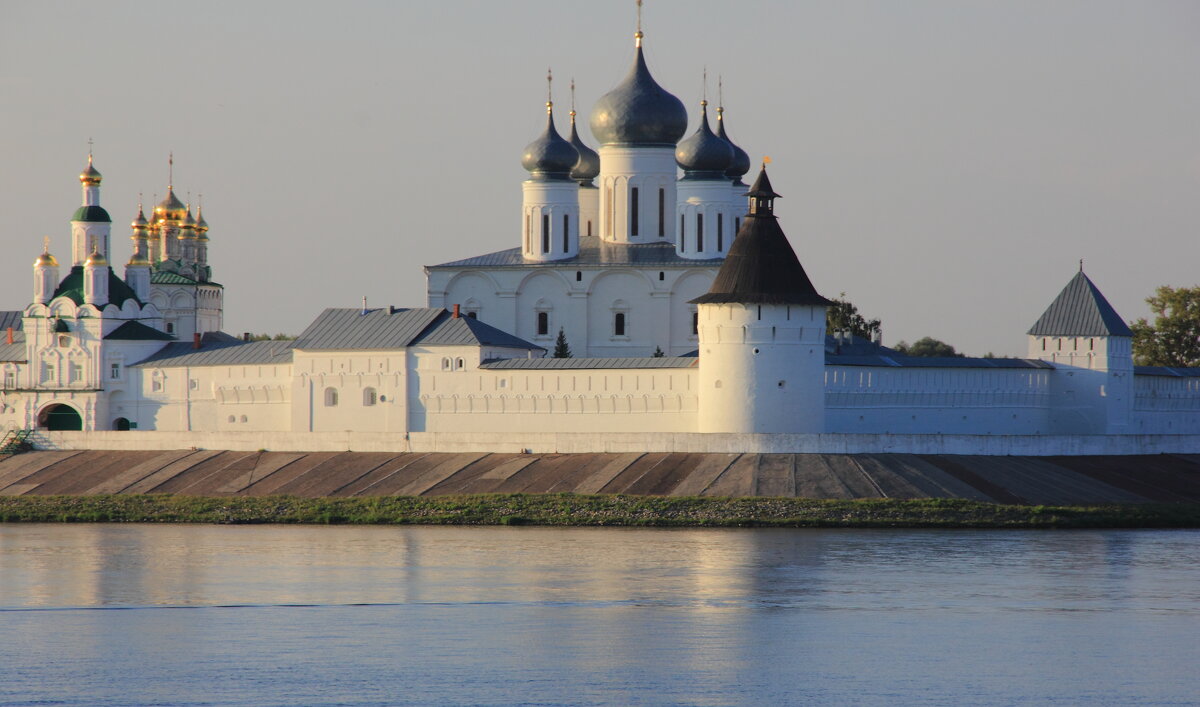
(588, 166)
(549, 156)
(704, 155)
(741, 160)
(639, 111)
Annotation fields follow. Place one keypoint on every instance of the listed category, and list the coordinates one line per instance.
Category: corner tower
(762, 333)
(638, 124)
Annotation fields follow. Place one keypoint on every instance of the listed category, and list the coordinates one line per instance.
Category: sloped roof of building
(592, 251)
(447, 330)
(136, 331)
(12, 319)
(509, 364)
(1080, 310)
(761, 267)
(387, 328)
(72, 287)
(14, 352)
(1166, 371)
(886, 361)
(220, 349)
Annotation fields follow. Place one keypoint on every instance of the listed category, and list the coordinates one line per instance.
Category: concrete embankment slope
(1038, 480)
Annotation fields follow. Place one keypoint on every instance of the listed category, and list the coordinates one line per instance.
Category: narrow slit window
(527, 249)
(662, 212)
(720, 233)
(695, 323)
(543, 323)
(699, 232)
(566, 231)
(545, 233)
(619, 324)
(633, 211)
(682, 232)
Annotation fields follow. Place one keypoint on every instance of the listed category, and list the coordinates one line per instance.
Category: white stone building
(648, 258)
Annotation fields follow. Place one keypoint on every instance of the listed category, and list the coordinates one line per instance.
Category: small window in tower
(1091, 344)
(545, 233)
(64, 341)
(331, 397)
(699, 232)
(720, 233)
(661, 276)
(245, 419)
(695, 323)
(526, 233)
(578, 276)
(473, 315)
(662, 212)
(589, 227)
(609, 209)
(369, 397)
(633, 211)
(170, 327)
(459, 364)
(232, 418)
(446, 364)
(566, 232)
(619, 324)
(543, 323)
(759, 315)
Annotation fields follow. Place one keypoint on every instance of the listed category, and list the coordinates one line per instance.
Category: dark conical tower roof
(1080, 310)
(761, 267)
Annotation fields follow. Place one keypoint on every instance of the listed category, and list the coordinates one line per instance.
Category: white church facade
(652, 244)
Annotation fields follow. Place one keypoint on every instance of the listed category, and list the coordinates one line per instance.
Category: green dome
(93, 214)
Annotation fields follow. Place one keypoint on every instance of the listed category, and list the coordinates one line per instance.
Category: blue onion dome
(639, 111)
(704, 155)
(549, 156)
(741, 161)
(588, 166)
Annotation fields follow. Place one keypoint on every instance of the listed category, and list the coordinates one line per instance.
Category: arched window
(331, 397)
(545, 233)
(64, 341)
(232, 418)
(459, 364)
(619, 324)
(662, 212)
(369, 396)
(245, 419)
(543, 323)
(566, 232)
(633, 211)
(699, 232)
(720, 233)
(446, 364)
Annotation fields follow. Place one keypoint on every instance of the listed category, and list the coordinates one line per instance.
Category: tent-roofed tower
(1081, 330)
(762, 333)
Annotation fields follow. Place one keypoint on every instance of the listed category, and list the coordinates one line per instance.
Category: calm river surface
(260, 615)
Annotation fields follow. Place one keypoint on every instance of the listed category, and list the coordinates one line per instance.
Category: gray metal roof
(1166, 371)
(932, 362)
(12, 352)
(508, 364)
(1080, 310)
(390, 328)
(592, 251)
(466, 331)
(12, 319)
(226, 352)
(136, 331)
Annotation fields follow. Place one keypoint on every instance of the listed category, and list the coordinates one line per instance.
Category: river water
(266, 615)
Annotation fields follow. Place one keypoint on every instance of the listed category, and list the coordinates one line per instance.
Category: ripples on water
(256, 615)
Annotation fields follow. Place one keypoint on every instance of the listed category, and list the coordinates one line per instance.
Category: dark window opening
(695, 323)
(566, 231)
(662, 212)
(699, 232)
(682, 232)
(737, 224)
(472, 315)
(589, 227)
(527, 248)
(578, 276)
(543, 323)
(661, 276)
(619, 324)
(720, 233)
(545, 233)
(633, 211)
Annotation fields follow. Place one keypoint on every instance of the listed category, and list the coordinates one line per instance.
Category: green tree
(268, 337)
(927, 347)
(844, 316)
(561, 348)
(1174, 337)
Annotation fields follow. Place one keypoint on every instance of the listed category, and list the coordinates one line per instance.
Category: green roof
(72, 287)
(136, 331)
(166, 277)
(92, 213)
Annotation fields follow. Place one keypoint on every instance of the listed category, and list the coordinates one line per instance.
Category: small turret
(585, 170)
(95, 279)
(550, 213)
(90, 224)
(706, 224)
(45, 275)
(137, 270)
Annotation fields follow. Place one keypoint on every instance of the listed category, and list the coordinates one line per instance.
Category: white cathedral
(686, 307)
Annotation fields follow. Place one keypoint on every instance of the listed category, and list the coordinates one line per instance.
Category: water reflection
(430, 615)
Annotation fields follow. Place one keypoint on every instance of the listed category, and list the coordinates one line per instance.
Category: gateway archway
(60, 417)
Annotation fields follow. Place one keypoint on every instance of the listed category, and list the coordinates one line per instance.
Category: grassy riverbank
(568, 509)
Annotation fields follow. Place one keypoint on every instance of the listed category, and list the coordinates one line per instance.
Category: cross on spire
(572, 99)
(171, 170)
(637, 37)
(549, 90)
(89, 150)
(46, 244)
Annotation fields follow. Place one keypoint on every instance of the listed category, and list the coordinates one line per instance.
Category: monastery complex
(692, 322)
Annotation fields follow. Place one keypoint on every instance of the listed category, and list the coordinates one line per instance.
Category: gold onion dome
(139, 222)
(137, 260)
(201, 224)
(95, 260)
(170, 208)
(187, 218)
(45, 260)
(90, 175)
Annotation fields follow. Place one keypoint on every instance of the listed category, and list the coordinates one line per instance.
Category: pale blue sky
(945, 163)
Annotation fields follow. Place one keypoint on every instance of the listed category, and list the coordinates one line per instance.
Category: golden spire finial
(549, 91)
(139, 202)
(704, 90)
(572, 100)
(89, 152)
(766, 161)
(720, 98)
(46, 244)
(637, 36)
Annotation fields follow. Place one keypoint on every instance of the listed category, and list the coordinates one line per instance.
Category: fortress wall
(550, 442)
